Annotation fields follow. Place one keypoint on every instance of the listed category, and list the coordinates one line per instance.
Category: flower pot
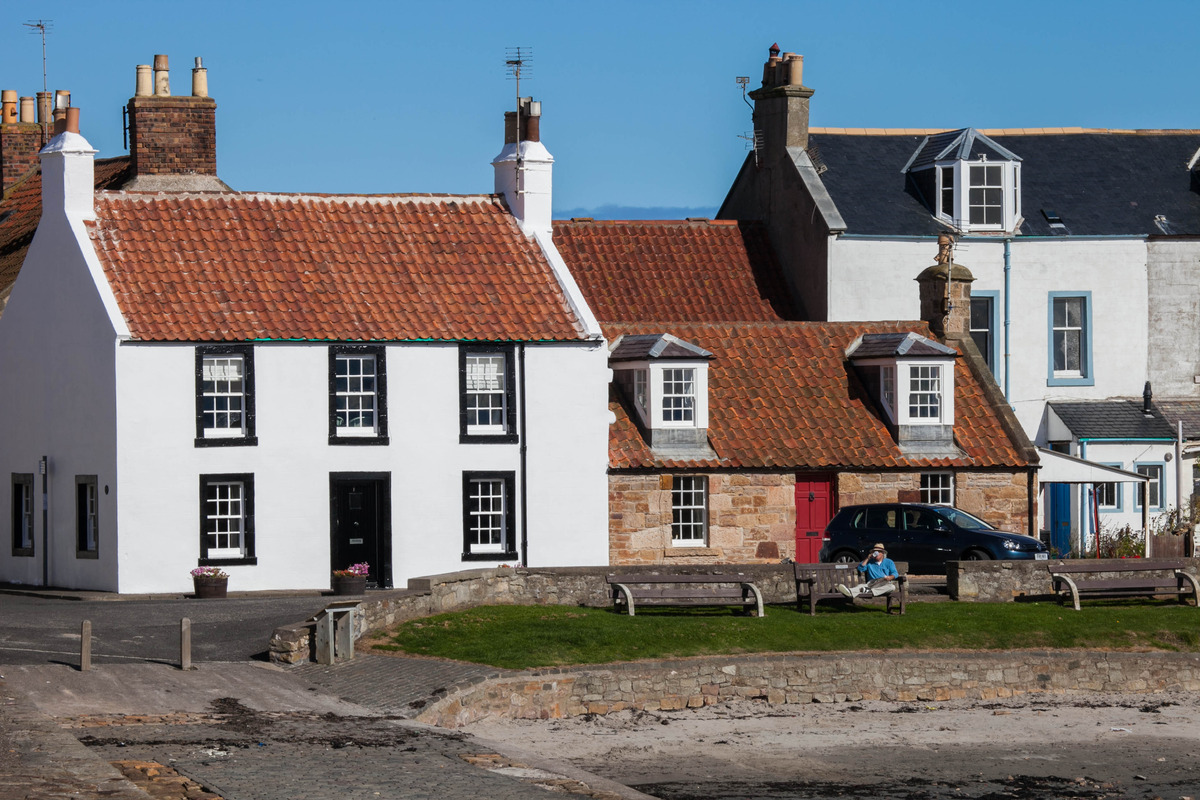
(209, 588)
(349, 584)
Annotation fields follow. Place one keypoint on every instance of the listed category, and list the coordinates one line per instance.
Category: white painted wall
(160, 466)
(874, 279)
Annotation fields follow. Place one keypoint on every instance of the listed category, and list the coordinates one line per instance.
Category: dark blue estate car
(926, 536)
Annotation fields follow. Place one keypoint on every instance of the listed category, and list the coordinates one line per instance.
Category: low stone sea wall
(1008, 581)
(807, 678)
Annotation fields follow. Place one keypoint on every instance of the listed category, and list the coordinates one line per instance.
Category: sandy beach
(1085, 746)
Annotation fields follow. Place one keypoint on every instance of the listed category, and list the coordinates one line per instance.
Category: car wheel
(977, 555)
(845, 557)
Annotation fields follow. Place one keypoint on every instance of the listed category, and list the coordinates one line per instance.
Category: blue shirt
(885, 568)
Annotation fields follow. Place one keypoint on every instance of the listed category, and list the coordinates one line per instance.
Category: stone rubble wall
(1006, 581)
(809, 678)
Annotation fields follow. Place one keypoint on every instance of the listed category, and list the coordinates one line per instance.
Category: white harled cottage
(283, 385)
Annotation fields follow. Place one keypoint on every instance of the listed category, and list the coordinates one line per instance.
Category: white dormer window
(968, 180)
(666, 381)
(678, 396)
(641, 395)
(985, 195)
(925, 392)
(887, 389)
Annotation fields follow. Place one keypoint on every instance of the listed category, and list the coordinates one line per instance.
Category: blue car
(926, 536)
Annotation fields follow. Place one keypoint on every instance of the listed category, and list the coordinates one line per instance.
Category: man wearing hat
(881, 575)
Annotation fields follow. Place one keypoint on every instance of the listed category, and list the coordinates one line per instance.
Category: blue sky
(641, 109)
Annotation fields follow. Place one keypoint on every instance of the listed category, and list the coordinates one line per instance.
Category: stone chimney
(173, 139)
(68, 172)
(781, 104)
(524, 169)
(21, 137)
(946, 293)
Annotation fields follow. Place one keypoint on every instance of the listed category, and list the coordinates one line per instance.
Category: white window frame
(689, 511)
(937, 488)
(887, 389)
(486, 393)
(1065, 329)
(959, 194)
(356, 394)
(678, 404)
(985, 168)
(486, 513)
(1157, 472)
(925, 381)
(216, 421)
(641, 391)
(225, 516)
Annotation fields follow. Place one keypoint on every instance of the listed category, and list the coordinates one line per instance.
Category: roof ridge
(688, 221)
(370, 198)
(1051, 131)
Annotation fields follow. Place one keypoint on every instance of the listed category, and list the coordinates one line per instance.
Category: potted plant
(210, 582)
(352, 579)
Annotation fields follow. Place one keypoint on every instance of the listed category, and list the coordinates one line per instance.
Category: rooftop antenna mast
(753, 140)
(518, 62)
(40, 27)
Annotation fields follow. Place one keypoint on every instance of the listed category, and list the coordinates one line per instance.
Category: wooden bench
(1075, 579)
(819, 582)
(684, 590)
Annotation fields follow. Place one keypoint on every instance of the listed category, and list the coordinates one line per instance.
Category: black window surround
(381, 429)
(509, 553)
(510, 436)
(248, 439)
(247, 481)
(22, 486)
(82, 513)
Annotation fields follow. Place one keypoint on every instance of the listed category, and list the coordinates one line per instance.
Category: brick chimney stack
(947, 310)
(21, 137)
(781, 104)
(173, 139)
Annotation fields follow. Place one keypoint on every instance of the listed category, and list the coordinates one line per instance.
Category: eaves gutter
(997, 238)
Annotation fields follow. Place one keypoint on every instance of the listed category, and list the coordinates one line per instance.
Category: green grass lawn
(520, 637)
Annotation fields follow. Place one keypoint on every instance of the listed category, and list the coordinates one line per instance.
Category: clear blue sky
(640, 104)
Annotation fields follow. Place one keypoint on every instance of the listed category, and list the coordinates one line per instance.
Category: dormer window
(925, 392)
(665, 380)
(968, 180)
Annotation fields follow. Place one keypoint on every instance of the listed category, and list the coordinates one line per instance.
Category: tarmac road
(43, 630)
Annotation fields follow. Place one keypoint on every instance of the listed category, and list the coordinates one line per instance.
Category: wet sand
(1079, 746)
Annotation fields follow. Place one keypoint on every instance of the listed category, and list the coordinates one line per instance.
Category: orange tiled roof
(237, 267)
(782, 396)
(675, 271)
(22, 208)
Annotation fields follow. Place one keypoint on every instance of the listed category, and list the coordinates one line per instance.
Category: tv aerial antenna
(754, 139)
(39, 27)
(518, 63)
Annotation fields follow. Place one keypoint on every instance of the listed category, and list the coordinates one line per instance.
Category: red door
(814, 509)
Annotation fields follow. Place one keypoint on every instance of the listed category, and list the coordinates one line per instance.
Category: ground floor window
(1154, 487)
(937, 488)
(1108, 495)
(22, 514)
(86, 517)
(226, 518)
(689, 510)
(487, 515)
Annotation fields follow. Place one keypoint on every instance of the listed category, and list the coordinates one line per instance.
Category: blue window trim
(1119, 490)
(1162, 485)
(1087, 378)
(994, 356)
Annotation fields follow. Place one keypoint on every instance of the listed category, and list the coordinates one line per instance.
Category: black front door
(360, 510)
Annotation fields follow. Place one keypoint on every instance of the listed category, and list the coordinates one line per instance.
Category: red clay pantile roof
(782, 395)
(239, 267)
(675, 270)
(22, 208)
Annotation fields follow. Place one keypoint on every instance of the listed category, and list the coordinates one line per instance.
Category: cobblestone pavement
(394, 684)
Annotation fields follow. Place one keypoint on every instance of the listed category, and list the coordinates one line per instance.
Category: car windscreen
(964, 520)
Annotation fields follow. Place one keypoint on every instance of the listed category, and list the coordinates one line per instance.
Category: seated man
(881, 575)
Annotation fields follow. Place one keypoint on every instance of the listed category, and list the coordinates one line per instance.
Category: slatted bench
(1076, 579)
(816, 582)
(684, 590)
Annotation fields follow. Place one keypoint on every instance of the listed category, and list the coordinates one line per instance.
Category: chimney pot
(8, 100)
(774, 50)
(72, 121)
(199, 79)
(162, 77)
(1147, 396)
(60, 125)
(62, 100)
(144, 85)
(795, 69)
(28, 110)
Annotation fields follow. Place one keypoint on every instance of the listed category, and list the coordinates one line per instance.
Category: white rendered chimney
(68, 172)
(524, 170)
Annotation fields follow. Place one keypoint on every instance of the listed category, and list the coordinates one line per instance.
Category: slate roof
(887, 345)
(783, 396)
(966, 144)
(22, 208)
(1183, 410)
(1113, 419)
(640, 347)
(1098, 182)
(675, 270)
(241, 267)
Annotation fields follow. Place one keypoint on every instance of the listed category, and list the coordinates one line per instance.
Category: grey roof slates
(1113, 419)
(1099, 183)
(887, 345)
(1183, 410)
(644, 346)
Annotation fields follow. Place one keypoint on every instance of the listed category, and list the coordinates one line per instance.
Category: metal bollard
(185, 644)
(85, 646)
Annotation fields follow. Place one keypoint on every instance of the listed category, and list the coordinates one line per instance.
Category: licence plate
(1041, 556)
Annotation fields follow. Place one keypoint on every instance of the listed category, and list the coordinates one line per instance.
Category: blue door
(1059, 516)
